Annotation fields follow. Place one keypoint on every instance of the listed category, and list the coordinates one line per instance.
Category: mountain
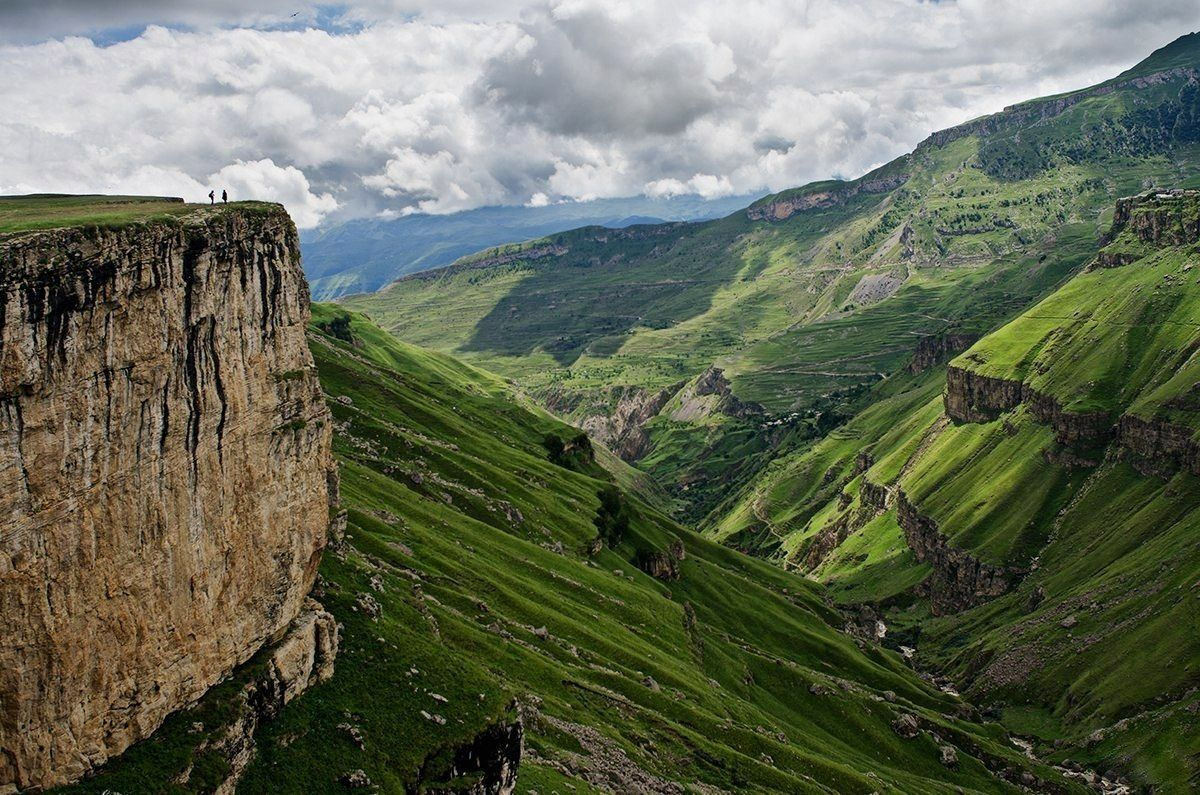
(1027, 515)
(1022, 517)
(364, 254)
(809, 297)
(513, 617)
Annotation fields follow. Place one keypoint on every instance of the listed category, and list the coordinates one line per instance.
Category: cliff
(165, 473)
(615, 417)
(959, 580)
(819, 195)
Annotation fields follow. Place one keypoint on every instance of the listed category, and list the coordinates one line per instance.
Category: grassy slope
(48, 211)
(435, 455)
(1114, 549)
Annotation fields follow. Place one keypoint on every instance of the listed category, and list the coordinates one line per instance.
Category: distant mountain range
(365, 254)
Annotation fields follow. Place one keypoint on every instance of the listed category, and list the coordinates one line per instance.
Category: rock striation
(304, 657)
(820, 196)
(166, 479)
(958, 579)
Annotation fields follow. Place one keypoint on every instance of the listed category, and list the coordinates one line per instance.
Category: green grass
(437, 459)
(57, 211)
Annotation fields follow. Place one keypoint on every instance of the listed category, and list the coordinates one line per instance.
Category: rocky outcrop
(486, 765)
(972, 397)
(165, 474)
(662, 564)
(1164, 218)
(616, 418)
(693, 404)
(304, 657)
(935, 349)
(873, 500)
(1149, 221)
(1155, 445)
(1159, 447)
(958, 580)
(784, 206)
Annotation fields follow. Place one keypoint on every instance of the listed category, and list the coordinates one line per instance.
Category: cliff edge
(165, 472)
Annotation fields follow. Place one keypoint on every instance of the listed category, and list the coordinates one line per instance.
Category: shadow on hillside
(613, 281)
(609, 283)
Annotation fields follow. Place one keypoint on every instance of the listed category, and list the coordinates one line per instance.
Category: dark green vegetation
(1026, 517)
(52, 211)
(809, 297)
(365, 254)
(475, 546)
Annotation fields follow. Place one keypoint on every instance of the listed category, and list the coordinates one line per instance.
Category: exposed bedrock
(165, 474)
(935, 349)
(958, 580)
(1154, 445)
(615, 417)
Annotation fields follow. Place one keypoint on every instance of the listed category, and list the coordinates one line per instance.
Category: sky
(388, 107)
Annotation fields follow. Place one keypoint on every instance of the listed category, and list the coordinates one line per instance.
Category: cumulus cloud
(387, 107)
(262, 179)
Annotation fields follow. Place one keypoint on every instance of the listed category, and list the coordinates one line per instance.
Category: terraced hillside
(477, 606)
(1027, 517)
(808, 298)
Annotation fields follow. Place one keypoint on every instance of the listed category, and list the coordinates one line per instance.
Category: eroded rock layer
(165, 474)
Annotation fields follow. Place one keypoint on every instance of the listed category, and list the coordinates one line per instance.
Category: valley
(883, 484)
(954, 391)
(477, 602)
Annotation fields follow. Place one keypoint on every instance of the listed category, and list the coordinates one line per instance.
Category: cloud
(399, 106)
(262, 179)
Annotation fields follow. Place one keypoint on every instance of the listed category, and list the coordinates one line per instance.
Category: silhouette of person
(224, 195)
(212, 197)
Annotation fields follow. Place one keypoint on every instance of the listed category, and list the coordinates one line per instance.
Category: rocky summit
(165, 472)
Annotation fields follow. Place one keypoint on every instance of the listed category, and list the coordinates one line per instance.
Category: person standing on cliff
(212, 194)
(224, 196)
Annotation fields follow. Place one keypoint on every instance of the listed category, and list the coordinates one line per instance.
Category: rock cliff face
(958, 580)
(1165, 218)
(165, 474)
(935, 349)
(784, 207)
(972, 397)
(619, 426)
